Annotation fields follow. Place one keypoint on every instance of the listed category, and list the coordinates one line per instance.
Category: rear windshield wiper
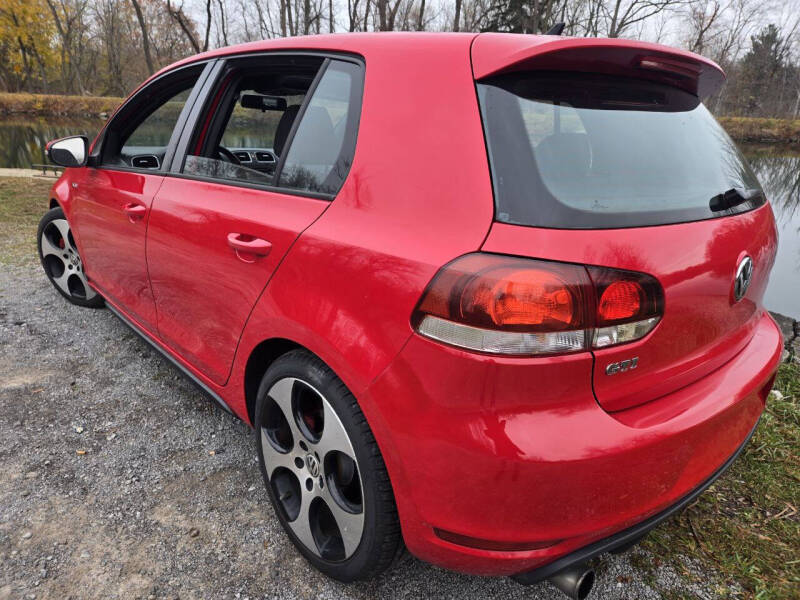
(733, 197)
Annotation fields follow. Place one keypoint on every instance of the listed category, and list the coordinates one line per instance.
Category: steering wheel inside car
(224, 154)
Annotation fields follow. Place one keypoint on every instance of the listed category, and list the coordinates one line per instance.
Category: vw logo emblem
(744, 274)
(312, 464)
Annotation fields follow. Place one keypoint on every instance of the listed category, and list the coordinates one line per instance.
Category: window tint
(592, 151)
(323, 145)
(138, 137)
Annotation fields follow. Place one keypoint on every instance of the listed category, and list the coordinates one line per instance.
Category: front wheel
(323, 470)
(61, 262)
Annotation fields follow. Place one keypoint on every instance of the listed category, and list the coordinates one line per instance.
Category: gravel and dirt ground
(118, 479)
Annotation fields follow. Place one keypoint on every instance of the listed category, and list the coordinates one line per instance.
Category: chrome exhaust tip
(576, 582)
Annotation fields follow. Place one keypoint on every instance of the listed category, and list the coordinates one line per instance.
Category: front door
(264, 162)
(112, 199)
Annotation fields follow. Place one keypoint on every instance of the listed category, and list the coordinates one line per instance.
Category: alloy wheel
(62, 261)
(312, 469)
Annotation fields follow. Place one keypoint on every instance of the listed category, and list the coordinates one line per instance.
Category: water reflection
(22, 142)
(778, 170)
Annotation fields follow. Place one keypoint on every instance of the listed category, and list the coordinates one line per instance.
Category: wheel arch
(262, 356)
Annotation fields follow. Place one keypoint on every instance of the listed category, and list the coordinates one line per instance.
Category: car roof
(493, 53)
(363, 43)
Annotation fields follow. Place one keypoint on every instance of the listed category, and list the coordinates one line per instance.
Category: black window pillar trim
(193, 116)
(186, 112)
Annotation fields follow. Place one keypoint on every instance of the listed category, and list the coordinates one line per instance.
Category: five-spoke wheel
(323, 471)
(61, 261)
(312, 469)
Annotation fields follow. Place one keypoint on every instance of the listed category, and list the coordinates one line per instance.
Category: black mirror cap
(70, 151)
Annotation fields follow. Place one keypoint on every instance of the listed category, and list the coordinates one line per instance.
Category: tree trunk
(145, 37)
(457, 17)
(180, 19)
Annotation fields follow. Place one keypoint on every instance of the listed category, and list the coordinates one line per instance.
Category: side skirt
(183, 370)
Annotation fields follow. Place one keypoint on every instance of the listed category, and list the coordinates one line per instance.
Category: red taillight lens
(620, 300)
(524, 297)
(517, 294)
(508, 305)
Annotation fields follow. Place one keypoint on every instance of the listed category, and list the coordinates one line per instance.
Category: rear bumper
(630, 535)
(518, 452)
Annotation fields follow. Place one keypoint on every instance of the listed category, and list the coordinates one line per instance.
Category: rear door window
(322, 148)
(285, 122)
(592, 151)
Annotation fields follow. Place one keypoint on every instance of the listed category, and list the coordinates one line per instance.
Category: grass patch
(762, 130)
(51, 104)
(23, 201)
(746, 527)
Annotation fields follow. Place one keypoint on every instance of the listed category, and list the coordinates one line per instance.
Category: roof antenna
(556, 29)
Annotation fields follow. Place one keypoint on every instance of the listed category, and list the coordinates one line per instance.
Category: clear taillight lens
(517, 306)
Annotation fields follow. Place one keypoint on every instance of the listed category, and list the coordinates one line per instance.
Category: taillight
(629, 305)
(507, 305)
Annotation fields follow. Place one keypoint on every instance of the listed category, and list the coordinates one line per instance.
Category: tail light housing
(518, 306)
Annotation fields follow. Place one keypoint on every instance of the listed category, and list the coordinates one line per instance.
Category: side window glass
(321, 151)
(250, 116)
(144, 131)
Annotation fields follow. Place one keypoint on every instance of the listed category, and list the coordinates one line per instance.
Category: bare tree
(145, 37)
(187, 26)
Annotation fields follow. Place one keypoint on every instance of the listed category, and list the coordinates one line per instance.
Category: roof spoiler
(495, 54)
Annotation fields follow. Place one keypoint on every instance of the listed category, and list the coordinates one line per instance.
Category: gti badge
(744, 274)
(622, 366)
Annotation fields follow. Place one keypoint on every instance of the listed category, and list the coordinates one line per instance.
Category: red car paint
(543, 451)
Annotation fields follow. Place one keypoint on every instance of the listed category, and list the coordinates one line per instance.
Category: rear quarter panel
(417, 196)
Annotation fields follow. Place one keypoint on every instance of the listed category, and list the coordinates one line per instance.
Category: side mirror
(69, 151)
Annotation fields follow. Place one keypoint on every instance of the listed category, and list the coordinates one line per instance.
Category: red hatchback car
(496, 297)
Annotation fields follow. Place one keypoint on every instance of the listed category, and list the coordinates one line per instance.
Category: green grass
(23, 201)
(746, 527)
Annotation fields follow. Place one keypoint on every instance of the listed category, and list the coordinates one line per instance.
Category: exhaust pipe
(576, 582)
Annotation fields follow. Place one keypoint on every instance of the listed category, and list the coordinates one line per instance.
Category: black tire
(381, 541)
(64, 268)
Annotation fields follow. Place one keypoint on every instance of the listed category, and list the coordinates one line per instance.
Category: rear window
(587, 151)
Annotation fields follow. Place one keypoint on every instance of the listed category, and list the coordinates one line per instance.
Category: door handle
(248, 244)
(134, 211)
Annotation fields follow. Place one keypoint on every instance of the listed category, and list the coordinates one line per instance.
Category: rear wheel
(324, 473)
(61, 262)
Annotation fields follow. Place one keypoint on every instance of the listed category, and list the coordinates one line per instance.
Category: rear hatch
(602, 153)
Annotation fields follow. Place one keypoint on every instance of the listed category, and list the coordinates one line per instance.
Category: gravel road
(119, 480)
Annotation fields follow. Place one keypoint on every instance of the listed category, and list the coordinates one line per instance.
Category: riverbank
(48, 105)
(742, 129)
(762, 130)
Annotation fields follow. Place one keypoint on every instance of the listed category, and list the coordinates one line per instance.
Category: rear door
(220, 226)
(632, 172)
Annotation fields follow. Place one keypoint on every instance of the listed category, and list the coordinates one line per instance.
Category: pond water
(22, 144)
